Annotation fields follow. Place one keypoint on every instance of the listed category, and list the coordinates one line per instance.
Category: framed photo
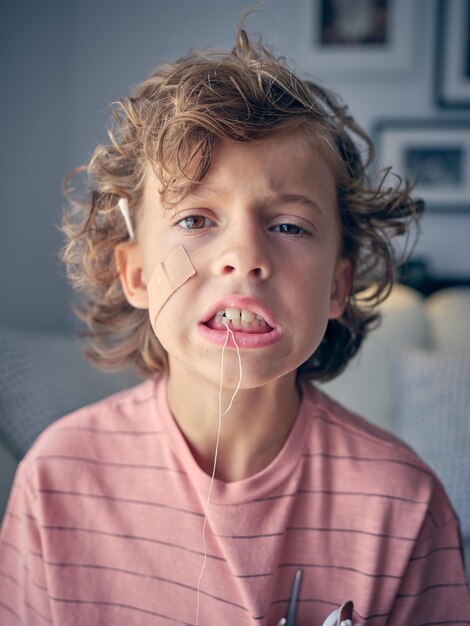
(434, 154)
(359, 36)
(452, 84)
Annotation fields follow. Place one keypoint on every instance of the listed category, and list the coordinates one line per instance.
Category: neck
(252, 433)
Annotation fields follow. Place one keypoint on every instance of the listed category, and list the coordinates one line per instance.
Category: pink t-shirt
(104, 526)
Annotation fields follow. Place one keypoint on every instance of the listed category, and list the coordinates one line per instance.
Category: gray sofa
(43, 376)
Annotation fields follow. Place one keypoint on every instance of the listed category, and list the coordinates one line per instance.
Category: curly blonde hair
(172, 122)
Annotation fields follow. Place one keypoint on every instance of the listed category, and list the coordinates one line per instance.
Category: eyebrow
(296, 198)
(277, 198)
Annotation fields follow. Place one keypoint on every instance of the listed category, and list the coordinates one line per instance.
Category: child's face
(262, 231)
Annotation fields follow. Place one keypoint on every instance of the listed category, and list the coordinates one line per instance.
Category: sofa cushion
(433, 416)
(365, 385)
(44, 376)
(448, 313)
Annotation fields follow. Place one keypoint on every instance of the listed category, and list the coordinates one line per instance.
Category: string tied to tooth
(229, 334)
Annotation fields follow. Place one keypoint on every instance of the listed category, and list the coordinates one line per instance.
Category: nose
(244, 253)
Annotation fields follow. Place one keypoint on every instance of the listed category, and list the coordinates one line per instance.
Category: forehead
(281, 160)
(289, 163)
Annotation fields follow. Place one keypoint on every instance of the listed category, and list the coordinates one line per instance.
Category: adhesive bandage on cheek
(123, 205)
(168, 276)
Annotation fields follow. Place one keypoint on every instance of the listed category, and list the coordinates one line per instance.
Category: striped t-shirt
(104, 526)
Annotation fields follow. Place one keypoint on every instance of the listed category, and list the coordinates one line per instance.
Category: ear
(341, 287)
(129, 263)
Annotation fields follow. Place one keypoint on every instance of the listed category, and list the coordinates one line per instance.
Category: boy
(229, 230)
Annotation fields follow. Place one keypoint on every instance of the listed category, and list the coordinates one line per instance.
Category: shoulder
(103, 448)
(99, 425)
(368, 459)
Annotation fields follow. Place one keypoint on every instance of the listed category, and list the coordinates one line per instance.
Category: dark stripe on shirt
(453, 621)
(425, 556)
(120, 606)
(129, 537)
(365, 459)
(79, 459)
(426, 589)
(353, 494)
(10, 577)
(267, 535)
(12, 612)
(44, 617)
(143, 575)
(348, 530)
(102, 431)
(79, 494)
(340, 567)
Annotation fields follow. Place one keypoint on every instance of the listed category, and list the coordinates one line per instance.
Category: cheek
(172, 323)
(312, 285)
(167, 278)
(309, 294)
(164, 333)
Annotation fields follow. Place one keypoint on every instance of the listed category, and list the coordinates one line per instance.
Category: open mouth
(238, 320)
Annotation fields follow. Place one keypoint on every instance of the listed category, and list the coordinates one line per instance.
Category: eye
(289, 229)
(195, 222)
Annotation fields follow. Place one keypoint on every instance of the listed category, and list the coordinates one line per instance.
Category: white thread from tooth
(216, 453)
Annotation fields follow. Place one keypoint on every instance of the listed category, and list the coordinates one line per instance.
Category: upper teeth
(238, 316)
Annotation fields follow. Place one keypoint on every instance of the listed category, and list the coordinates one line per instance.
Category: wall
(35, 143)
(62, 63)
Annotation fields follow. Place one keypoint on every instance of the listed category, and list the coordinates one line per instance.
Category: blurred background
(63, 63)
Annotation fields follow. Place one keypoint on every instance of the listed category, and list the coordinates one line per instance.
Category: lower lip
(244, 340)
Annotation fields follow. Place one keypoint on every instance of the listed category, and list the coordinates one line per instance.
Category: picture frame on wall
(452, 77)
(370, 37)
(432, 154)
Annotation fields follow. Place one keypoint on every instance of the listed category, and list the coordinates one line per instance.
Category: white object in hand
(332, 620)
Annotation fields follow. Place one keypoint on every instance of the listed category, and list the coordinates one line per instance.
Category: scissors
(290, 619)
(339, 617)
